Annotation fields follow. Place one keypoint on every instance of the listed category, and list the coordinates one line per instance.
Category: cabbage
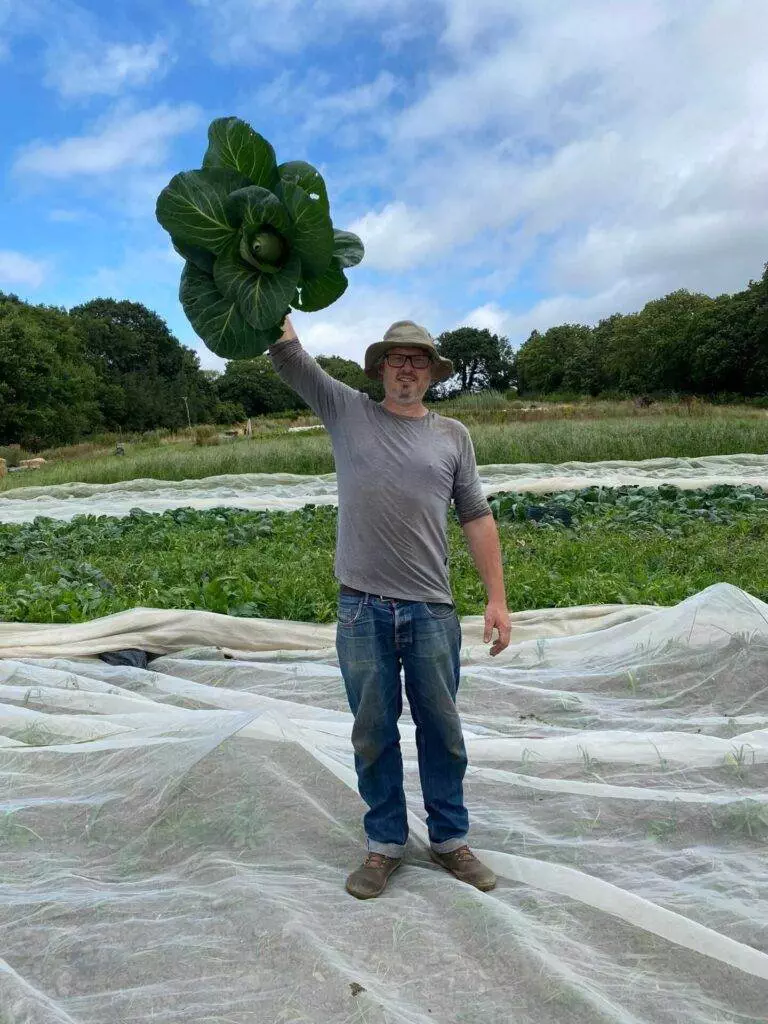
(257, 238)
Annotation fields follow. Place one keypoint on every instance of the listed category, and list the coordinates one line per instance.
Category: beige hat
(407, 334)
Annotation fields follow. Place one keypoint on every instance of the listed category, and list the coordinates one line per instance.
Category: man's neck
(416, 411)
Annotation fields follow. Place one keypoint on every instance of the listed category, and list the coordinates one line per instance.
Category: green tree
(145, 372)
(560, 359)
(650, 351)
(47, 389)
(253, 385)
(729, 343)
(665, 330)
(481, 360)
(623, 359)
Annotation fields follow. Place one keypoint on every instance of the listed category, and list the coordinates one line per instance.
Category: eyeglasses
(419, 362)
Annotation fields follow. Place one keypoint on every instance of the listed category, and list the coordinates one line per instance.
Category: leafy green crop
(258, 239)
(280, 565)
(666, 509)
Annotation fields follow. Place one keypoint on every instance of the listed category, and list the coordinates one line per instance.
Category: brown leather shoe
(372, 876)
(466, 867)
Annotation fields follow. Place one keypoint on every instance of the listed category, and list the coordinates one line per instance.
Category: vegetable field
(631, 545)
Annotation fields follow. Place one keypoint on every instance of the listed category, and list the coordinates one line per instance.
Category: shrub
(12, 455)
(229, 412)
(205, 432)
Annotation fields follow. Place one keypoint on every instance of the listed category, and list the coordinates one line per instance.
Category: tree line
(114, 366)
(109, 366)
(684, 344)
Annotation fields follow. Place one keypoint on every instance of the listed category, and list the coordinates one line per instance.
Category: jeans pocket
(438, 610)
(349, 609)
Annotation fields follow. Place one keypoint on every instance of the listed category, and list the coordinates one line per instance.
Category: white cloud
(17, 18)
(311, 107)
(489, 317)
(600, 153)
(139, 271)
(19, 270)
(622, 150)
(102, 69)
(359, 100)
(122, 139)
(249, 31)
(395, 237)
(708, 251)
(356, 111)
(64, 216)
(467, 21)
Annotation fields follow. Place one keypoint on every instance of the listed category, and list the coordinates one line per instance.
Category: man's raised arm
(325, 395)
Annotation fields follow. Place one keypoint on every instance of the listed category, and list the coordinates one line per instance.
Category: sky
(509, 164)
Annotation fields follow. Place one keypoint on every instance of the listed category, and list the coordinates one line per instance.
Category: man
(398, 467)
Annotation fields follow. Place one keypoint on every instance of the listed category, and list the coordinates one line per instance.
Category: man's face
(406, 385)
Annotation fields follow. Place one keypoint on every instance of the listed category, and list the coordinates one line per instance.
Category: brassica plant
(258, 240)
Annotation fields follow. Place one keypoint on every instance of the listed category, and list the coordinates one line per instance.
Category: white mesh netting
(175, 839)
(288, 492)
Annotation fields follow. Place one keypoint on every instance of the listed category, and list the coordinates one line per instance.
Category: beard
(407, 389)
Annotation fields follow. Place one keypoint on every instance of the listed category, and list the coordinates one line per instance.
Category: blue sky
(508, 163)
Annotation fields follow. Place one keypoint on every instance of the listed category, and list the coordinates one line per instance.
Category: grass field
(587, 433)
(654, 547)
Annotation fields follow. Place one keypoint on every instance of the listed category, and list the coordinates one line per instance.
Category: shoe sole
(481, 888)
(372, 895)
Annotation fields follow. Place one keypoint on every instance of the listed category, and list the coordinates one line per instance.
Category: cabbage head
(257, 238)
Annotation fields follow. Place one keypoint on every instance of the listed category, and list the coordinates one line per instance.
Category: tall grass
(554, 441)
(630, 439)
(290, 453)
(496, 407)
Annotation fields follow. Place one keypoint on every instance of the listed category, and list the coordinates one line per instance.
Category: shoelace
(463, 853)
(375, 860)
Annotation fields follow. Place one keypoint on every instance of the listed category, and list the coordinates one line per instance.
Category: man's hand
(288, 332)
(496, 617)
(483, 539)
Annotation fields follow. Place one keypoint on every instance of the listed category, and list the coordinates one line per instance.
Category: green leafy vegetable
(224, 559)
(217, 319)
(258, 239)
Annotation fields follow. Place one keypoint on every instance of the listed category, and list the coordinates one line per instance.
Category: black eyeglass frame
(389, 356)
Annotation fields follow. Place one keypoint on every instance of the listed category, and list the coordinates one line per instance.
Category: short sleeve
(468, 495)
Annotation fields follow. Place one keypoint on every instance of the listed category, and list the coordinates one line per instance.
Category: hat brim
(442, 369)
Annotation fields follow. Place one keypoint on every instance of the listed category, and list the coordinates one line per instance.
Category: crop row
(630, 545)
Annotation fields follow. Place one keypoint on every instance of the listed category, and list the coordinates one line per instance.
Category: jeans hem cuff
(449, 845)
(386, 849)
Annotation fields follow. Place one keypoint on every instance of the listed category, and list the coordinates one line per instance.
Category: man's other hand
(496, 617)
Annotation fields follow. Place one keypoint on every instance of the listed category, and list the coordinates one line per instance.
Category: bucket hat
(407, 334)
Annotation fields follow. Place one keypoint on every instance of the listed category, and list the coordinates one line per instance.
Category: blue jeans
(375, 639)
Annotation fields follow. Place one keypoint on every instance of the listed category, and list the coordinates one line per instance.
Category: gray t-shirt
(396, 478)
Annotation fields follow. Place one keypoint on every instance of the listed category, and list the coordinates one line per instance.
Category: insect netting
(291, 491)
(175, 838)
